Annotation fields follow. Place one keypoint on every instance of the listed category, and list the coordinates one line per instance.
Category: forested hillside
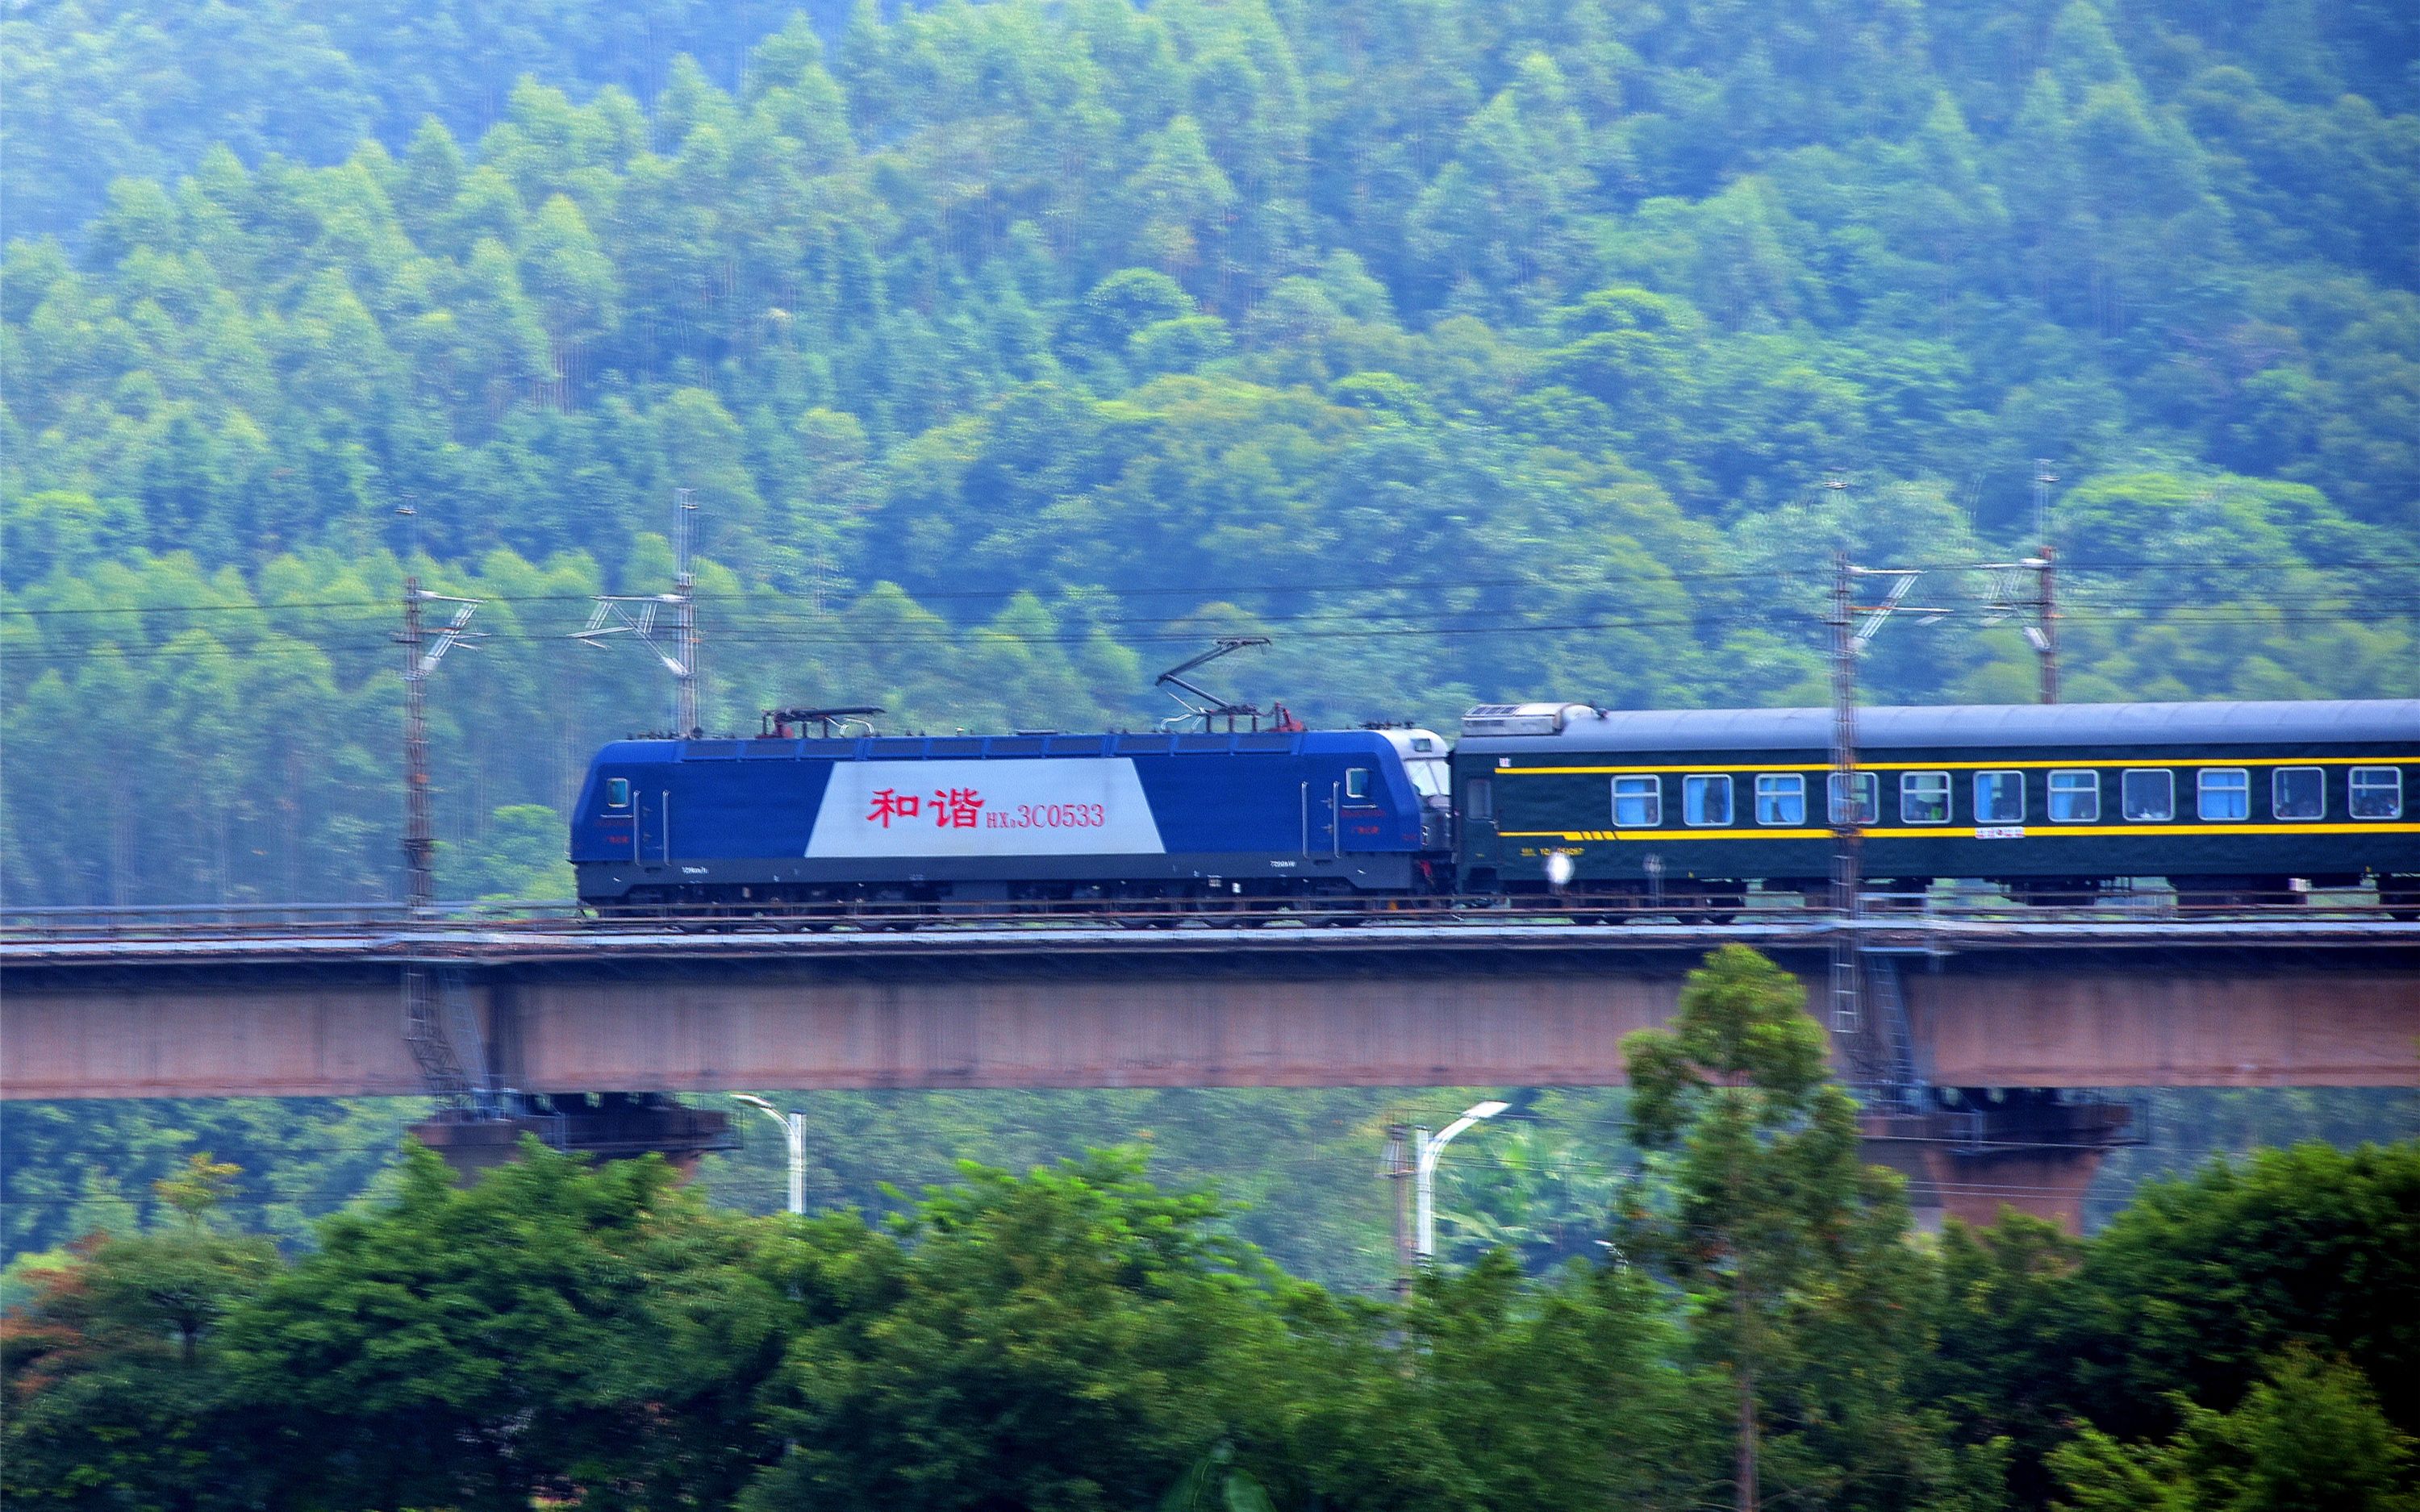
(1472, 349)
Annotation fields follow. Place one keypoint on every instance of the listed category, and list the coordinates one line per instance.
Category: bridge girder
(1192, 1008)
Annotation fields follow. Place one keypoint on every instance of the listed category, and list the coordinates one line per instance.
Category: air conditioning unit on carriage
(1522, 718)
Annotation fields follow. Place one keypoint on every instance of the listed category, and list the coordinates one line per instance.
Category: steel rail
(229, 920)
(488, 944)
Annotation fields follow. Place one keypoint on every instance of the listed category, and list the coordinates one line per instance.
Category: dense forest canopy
(1472, 349)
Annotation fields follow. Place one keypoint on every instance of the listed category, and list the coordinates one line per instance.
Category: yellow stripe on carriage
(2063, 764)
(2032, 832)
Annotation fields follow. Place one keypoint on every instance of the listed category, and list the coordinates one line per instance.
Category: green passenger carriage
(2057, 802)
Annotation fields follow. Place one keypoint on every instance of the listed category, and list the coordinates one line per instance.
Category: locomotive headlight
(1559, 870)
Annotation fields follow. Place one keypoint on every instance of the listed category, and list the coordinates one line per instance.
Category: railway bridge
(2015, 1011)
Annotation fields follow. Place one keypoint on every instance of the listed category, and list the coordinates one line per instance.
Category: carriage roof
(1515, 728)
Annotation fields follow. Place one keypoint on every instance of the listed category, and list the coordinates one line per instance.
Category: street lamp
(1432, 1147)
(794, 1128)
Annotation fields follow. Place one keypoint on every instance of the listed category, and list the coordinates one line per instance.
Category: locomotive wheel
(1608, 911)
(1148, 912)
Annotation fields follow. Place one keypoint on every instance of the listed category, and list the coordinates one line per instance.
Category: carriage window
(2378, 793)
(1480, 800)
(2075, 798)
(1999, 797)
(1781, 799)
(1870, 801)
(618, 793)
(2298, 793)
(2226, 792)
(1637, 802)
(1706, 801)
(2149, 793)
(1924, 797)
(1357, 781)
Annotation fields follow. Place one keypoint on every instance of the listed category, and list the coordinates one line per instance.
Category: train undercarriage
(1262, 901)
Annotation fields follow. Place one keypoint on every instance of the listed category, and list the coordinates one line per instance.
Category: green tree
(1182, 195)
(1059, 1340)
(1790, 1251)
(2316, 1249)
(115, 1374)
(2309, 1438)
(2009, 1314)
(521, 859)
(200, 1188)
(553, 1330)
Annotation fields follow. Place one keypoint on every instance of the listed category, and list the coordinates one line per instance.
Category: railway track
(555, 929)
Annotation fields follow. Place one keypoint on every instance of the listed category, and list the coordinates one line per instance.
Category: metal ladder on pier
(441, 1027)
(1900, 1085)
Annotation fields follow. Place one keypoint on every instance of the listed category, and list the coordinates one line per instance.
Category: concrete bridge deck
(2249, 1000)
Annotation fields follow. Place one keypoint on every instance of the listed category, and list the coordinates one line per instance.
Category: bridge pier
(607, 1125)
(2020, 1148)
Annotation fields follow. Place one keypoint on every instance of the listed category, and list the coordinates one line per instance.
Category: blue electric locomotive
(778, 824)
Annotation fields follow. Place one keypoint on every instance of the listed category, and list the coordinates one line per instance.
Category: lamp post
(1432, 1146)
(794, 1129)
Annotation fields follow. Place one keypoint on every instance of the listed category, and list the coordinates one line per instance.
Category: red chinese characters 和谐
(950, 808)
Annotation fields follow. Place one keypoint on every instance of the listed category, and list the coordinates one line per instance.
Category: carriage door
(1320, 801)
(654, 827)
(1479, 818)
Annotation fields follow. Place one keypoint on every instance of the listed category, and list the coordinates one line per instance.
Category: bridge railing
(261, 917)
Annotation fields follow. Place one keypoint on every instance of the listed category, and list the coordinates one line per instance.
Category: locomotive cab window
(1356, 782)
(2148, 794)
(1478, 800)
(618, 793)
(2377, 793)
(2224, 793)
(1781, 799)
(2075, 798)
(1706, 801)
(1924, 797)
(1999, 797)
(1637, 802)
(1870, 800)
(2298, 793)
